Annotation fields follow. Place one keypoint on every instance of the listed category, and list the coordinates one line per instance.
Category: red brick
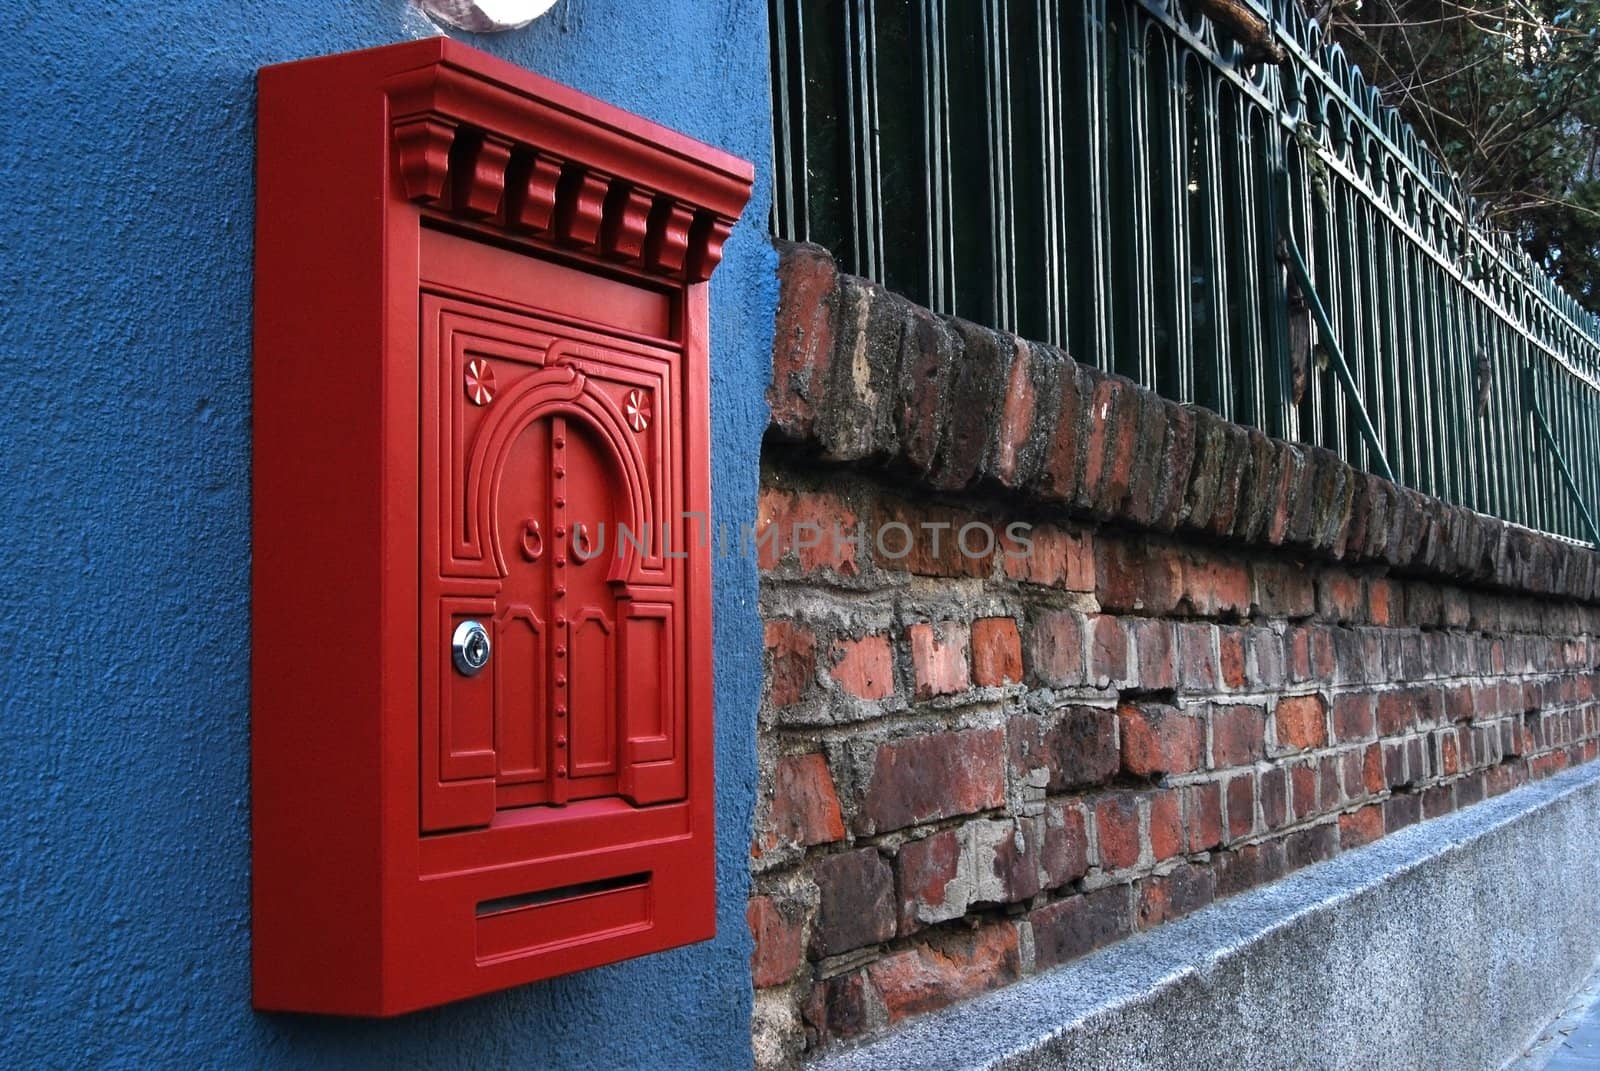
(1159, 739)
(1283, 589)
(996, 651)
(1216, 586)
(1241, 805)
(1394, 712)
(1116, 820)
(939, 659)
(1352, 717)
(1016, 416)
(1315, 844)
(1274, 791)
(1186, 890)
(1360, 827)
(1051, 557)
(1078, 925)
(1230, 657)
(1066, 845)
(928, 349)
(927, 540)
(1238, 735)
(1108, 454)
(1062, 464)
(1166, 825)
(956, 967)
(924, 870)
(802, 344)
(855, 903)
(1303, 789)
(1202, 809)
(1340, 597)
(1382, 597)
(864, 667)
(843, 1006)
(777, 929)
(1074, 746)
(1153, 653)
(1372, 774)
(1108, 652)
(1146, 578)
(1055, 648)
(805, 806)
(1449, 753)
(1302, 721)
(792, 649)
(817, 528)
(938, 775)
(1197, 659)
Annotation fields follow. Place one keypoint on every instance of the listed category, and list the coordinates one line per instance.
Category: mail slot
(481, 701)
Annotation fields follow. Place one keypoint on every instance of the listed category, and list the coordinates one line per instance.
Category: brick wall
(1205, 659)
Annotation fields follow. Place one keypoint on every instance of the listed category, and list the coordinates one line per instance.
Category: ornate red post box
(481, 722)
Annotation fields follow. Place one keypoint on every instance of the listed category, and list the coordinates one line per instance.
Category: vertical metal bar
(1335, 357)
(1543, 427)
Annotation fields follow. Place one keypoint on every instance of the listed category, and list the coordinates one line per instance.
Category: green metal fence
(1109, 176)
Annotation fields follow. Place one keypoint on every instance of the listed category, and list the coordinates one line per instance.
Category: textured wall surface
(1219, 659)
(125, 287)
(1446, 946)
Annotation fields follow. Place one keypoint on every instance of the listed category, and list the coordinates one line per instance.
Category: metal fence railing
(1110, 176)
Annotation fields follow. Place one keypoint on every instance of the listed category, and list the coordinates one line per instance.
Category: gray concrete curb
(1447, 945)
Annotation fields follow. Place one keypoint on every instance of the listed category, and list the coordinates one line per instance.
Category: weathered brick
(1268, 668)
(1197, 657)
(801, 526)
(953, 967)
(1360, 827)
(1303, 779)
(928, 349)
(1394, 712)
(1056, 648)
(1108, 451)
(1066, 845)
(803, 338)
(1274, 793)
(1238, 735)
(1073, 747)
(1400, 810)
(1301, 721)
(996, 651)
(925, 871)
(1166, 825)
(1202, 811)
(976, 391)
(1215, 586)
(1154, 656)
(792, 660)
(937, 775)
(1341, 597)
(1283, 589)
(1352, 717)
(1185, 890)
(1108, 652)
(1060, 469)
(939, 659)
(856, 902)
(1241, 794)
(1116, 822)
(805, 805)
(1173, 476)
(1159, 739)
(1314, 844)
(778, 928)
(857, 421)
(1140, 504)
(1011, 460)
(864, 667)
(1052, 557)
(1077, 925)
(843, 1006)
(929, 540)
(1230, 657)
(1140, 578)
(1248, 866)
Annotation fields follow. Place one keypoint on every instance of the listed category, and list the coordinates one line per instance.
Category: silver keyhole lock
(469, 648)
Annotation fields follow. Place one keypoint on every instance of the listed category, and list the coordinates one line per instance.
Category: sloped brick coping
(1445, 945)
(861, 375)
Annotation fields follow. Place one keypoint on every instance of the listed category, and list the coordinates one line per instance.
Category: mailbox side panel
(321, 560)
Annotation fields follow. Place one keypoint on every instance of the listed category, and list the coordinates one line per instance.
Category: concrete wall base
(1446, 945)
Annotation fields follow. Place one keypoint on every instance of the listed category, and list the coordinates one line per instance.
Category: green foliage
(1508, 94)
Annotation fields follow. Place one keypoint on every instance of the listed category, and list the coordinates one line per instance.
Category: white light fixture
(486, 16)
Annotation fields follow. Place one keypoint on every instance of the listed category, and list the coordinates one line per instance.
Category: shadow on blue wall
(125, 403)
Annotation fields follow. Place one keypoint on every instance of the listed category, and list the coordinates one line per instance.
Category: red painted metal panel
(481, 722)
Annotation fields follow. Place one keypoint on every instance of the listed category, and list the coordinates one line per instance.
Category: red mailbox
(481, 723)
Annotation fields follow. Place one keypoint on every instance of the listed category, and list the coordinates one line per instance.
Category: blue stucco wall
(126, 142)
